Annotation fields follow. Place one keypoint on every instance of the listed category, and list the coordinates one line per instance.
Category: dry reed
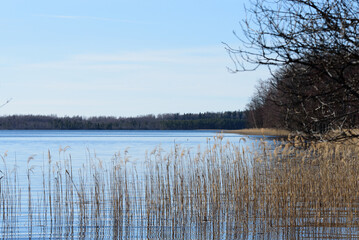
(225, 191)
(260, 132)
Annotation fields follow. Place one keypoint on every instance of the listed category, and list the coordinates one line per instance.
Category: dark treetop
(189, 121)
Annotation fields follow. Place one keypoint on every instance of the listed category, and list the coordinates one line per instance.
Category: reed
(225, 191)
(261, 132)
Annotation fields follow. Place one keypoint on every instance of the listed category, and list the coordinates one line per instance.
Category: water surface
(85, 190)
(19, 145)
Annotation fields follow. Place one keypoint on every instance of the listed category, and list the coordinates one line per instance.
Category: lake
(29, 180)
(174, 185)
(19, 145)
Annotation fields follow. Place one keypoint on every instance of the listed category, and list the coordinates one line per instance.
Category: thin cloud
(70, 17)
(183, 56)
(186, 61)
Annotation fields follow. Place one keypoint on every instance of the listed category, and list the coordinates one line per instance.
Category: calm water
(90, 192)
(26, 216)
(19, 145)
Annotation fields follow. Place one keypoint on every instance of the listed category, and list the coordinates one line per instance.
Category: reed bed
(224, 191)
(260, 132)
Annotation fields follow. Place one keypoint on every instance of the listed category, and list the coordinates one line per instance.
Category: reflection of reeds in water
(225, 191)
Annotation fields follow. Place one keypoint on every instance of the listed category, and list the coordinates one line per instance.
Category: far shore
(260, 131)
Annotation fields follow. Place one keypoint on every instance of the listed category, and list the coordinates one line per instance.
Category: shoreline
(260, 132)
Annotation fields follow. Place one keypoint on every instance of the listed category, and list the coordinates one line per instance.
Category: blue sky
(120, 58)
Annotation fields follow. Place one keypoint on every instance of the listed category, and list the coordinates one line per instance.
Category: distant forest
(189, 121)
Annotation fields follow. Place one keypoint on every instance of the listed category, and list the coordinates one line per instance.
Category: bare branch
(312, 51)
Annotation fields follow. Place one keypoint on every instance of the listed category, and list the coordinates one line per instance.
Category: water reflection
(225, 191)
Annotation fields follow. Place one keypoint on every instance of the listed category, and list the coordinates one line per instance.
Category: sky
(120, 58)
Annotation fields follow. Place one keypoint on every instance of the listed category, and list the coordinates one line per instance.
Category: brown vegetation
(260, 132)
(225, 191)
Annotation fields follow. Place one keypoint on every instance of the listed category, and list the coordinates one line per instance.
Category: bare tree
(311, 48)
(262, 110)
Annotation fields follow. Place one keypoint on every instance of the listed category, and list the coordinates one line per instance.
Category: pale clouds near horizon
(129, 83)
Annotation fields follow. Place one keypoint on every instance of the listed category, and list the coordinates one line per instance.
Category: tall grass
(225, 191)
(260, 132)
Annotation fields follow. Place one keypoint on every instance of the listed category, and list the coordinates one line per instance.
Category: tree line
(311, 48)
(189, 121)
